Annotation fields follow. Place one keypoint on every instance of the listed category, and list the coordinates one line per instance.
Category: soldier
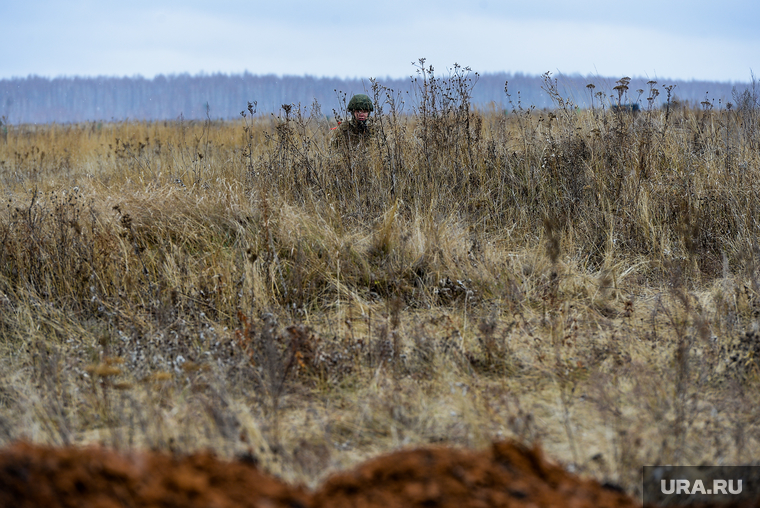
(359, 128)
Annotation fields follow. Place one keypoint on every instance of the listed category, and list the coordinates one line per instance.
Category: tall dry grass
(587, 279)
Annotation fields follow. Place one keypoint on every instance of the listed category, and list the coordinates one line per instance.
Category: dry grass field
(583, 279)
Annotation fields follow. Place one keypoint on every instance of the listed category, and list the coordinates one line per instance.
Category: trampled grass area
(586, 279)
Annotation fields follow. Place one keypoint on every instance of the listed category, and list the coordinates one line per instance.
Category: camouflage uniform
(352, 132)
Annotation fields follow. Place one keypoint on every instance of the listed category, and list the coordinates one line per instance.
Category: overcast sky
(677, 39)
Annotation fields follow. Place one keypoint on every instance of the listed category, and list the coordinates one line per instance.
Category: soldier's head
(360, 106)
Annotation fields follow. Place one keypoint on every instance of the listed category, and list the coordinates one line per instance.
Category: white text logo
(685, 487)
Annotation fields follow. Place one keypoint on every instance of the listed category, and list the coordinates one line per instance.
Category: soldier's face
(361, 116)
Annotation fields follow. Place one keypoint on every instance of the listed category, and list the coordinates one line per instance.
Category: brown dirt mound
(35, 476)
(506, 475)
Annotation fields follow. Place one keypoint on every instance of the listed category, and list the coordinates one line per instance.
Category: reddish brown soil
(35, 476)
(506, 475)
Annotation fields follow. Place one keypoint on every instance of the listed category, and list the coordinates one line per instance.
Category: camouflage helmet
(360, 102)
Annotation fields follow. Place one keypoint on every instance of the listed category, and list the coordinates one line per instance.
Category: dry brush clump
(586, 279)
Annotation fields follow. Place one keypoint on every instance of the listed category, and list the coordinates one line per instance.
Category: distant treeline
(63, 100)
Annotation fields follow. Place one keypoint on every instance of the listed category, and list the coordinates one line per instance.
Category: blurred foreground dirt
(506, 474)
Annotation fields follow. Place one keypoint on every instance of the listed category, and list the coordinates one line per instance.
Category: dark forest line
(220, 96)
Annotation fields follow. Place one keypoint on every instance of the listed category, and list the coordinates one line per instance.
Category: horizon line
(246, 73)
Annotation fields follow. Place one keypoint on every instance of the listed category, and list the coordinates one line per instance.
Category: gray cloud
(680, 39)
